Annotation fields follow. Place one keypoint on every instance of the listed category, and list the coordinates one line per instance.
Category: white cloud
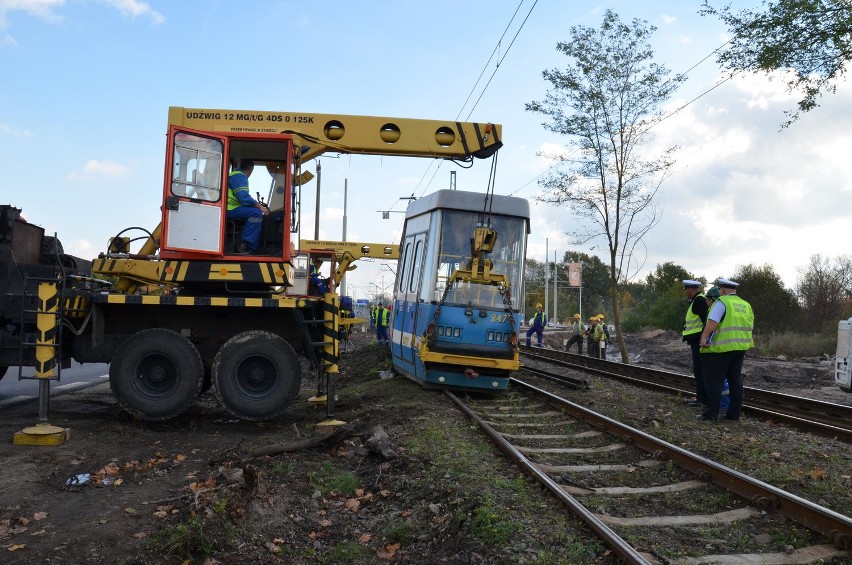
(46, 10)
(95, 168)
(81, 248)
(667, 19)
(40, 8)
(14, 132)
(134, 9)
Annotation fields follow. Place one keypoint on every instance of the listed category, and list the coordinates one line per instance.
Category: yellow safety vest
(734, 332)
(692, 324)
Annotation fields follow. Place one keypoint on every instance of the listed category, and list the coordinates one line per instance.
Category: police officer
(693, 324)
(576, 335)
(537, 327)
(726, 337)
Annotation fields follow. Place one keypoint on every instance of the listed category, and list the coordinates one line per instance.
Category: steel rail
(835, 526)
(825, 418)
(613, 541)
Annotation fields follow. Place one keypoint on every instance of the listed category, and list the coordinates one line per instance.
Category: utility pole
(316, 216)
(555, 299)
(546, 275)
(345, 198)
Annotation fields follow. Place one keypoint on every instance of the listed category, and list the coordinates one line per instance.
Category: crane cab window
(197, 167)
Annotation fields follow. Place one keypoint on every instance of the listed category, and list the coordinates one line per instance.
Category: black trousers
(716, 368)
(700, 385)
(578, 339)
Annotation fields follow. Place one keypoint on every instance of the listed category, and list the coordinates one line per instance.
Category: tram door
(405, 321)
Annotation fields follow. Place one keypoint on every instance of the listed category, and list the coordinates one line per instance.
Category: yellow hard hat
(538, 305)
(576, 316)
(600, 316)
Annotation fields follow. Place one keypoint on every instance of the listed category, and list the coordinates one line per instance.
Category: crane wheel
(156, 374)
(256, 375)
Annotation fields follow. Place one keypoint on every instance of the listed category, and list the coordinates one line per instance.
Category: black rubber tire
(51, 247)
(156, 374)
(256, 375)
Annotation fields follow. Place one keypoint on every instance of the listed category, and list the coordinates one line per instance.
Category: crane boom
(367, 135)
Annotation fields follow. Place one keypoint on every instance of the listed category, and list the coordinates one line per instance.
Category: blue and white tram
(459, 290)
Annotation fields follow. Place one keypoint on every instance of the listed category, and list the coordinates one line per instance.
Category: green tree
(824, 288)
(595, 281)
(533, 287)
(667, 275)
(810, 38)
(661, 301)
(775, 307)
(606, 101)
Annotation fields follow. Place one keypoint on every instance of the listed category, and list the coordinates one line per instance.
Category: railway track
(815, 416)
(638, 492)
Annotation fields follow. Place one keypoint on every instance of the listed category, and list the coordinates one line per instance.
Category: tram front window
(457, 230)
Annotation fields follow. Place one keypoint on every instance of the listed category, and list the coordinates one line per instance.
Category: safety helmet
(576, 316)
(713, 293)
(600, 316)
(538, 305)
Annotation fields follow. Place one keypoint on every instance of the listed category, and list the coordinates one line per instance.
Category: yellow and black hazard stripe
(181, 272)
(273, 274)
(217, 301)
(47, 320)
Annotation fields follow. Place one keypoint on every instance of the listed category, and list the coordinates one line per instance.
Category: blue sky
(87, 85)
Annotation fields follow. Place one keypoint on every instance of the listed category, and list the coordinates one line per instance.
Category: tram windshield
(455, 252)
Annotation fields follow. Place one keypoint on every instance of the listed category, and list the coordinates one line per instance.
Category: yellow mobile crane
(228, 320)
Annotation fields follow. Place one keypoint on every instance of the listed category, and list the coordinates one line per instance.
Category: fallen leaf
(16, 546)
(775, 455)
(180, 457)
(140, 535)
(385, 493)
(312, 535)
(818, 474)
(406, 513)
(39, 515)
(22, 521)
(365, 538)
(41, 532)
(130, 510)
(278, 541)
(655, 423)
(271, 547)
(388, 551)
(353, 504)
(118, 482)
(359, 492)
(161, 513)
(325, 523)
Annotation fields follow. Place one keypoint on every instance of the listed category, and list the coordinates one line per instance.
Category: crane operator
(241, 206)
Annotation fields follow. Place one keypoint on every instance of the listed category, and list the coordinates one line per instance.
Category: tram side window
(415, 268)
(197, 167)
(406, 265)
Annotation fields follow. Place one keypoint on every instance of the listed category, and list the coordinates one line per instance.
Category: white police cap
(726, 283)
(689, 283)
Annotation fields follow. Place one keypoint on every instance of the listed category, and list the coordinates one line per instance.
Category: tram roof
(469, 201)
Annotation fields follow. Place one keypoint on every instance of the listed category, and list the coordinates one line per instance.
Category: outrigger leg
(47, 366)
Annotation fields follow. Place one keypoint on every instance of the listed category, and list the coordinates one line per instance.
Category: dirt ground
(205, 488)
